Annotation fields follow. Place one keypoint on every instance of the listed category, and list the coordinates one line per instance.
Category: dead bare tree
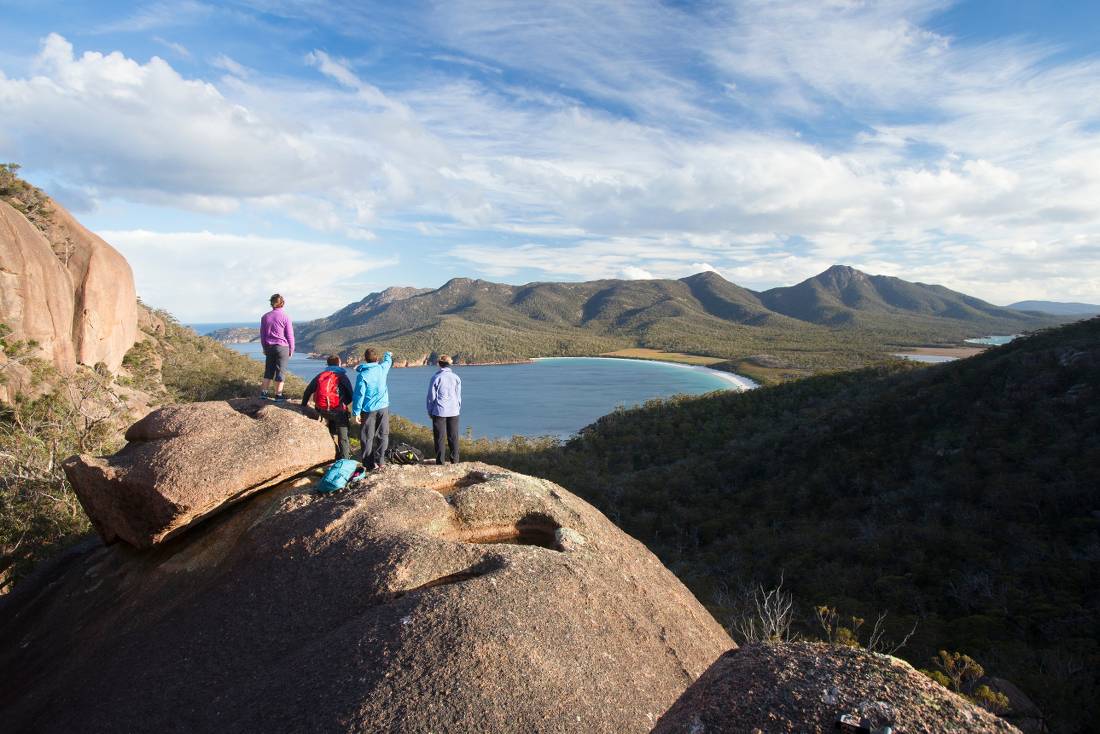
(877, 641)
(764, 615)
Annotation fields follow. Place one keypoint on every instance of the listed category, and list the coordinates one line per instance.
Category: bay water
(546, 397)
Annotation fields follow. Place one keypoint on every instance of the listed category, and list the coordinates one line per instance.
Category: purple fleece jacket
(275, 328)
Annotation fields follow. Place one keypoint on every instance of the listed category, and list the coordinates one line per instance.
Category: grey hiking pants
(375, 437)
(276, 357)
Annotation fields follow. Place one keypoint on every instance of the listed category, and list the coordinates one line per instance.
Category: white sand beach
(737, 382)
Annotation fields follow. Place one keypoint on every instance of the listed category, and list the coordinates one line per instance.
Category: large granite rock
(65, 288)
(806, 687)
(183, 463)
(433, 599)
(36, 294)
(105, 300)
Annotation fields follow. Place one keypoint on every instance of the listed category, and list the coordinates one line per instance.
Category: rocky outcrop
(65, 288)
(105, 300)
(1021, 711)
(461, 599)
(235, 335)
(806, 687)
(36, 295)
(183, 463)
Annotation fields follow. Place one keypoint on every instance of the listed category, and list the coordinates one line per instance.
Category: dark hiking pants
(337, 422)
(445, 426)
(276, 357)
(375, 437)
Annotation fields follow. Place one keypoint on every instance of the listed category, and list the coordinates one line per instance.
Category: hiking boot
(265, 395)
(280, 398)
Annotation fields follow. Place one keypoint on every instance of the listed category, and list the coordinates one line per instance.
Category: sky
(326, 150)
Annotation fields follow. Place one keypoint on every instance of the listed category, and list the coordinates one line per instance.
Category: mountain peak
(397, 293)
(705, 276)
(844, 272)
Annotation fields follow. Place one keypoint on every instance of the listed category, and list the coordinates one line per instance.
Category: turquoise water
(548, 397)
(929, 358)
(992, 341)
(985, 341)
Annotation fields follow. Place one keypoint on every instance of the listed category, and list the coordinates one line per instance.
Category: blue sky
(330, 149)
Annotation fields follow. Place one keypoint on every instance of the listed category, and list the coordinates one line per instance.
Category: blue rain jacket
(371, 392)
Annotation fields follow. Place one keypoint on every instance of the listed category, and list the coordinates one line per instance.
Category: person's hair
(333, 360)
(443, 359)
(277, 301)
(371, 355)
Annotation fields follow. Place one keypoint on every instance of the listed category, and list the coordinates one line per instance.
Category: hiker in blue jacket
(444, 405)
(332, 393)
(372, 404)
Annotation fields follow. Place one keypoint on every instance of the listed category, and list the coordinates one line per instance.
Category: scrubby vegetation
(38, 510)
(962, 497)
(28, 200)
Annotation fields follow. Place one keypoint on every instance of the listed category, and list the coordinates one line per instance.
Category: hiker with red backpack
(332, 394)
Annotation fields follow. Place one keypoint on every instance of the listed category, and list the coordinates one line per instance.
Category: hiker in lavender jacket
(444, 405)
(277, 339)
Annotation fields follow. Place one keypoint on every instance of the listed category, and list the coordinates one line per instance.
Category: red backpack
(327, 396)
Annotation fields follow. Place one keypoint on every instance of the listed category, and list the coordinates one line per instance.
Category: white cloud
(631, 272)
(209, 276)
(225, 63)
(179, 48)
(143, 132)
(691, 140)
(625, 52)
(158, 15)
(337, 69)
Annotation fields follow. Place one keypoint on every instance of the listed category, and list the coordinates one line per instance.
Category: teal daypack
(336, 476)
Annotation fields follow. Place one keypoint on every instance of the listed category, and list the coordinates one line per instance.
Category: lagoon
(554, 396)
(997, 340)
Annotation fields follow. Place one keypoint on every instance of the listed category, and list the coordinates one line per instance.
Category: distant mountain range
(840, 318)
(1058, 309)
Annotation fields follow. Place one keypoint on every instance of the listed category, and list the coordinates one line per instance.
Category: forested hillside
(840, 319)
(965, 497)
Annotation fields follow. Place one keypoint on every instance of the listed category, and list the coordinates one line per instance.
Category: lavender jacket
(275, 329)
(445, 394)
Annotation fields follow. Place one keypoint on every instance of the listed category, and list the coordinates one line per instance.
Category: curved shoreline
(736, 381)
(739, 382)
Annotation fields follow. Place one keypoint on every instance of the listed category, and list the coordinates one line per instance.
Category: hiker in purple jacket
(277, 339)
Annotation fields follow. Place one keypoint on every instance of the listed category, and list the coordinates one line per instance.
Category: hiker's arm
(431, 394)
(310, 389)
(290, 334)
(357, 398)
(458, 392)
(346, 393)
(387, 362)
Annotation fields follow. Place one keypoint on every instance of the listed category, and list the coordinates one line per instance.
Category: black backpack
(403, 453)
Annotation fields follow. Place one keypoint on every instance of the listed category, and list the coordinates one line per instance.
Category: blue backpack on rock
(337, 476)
